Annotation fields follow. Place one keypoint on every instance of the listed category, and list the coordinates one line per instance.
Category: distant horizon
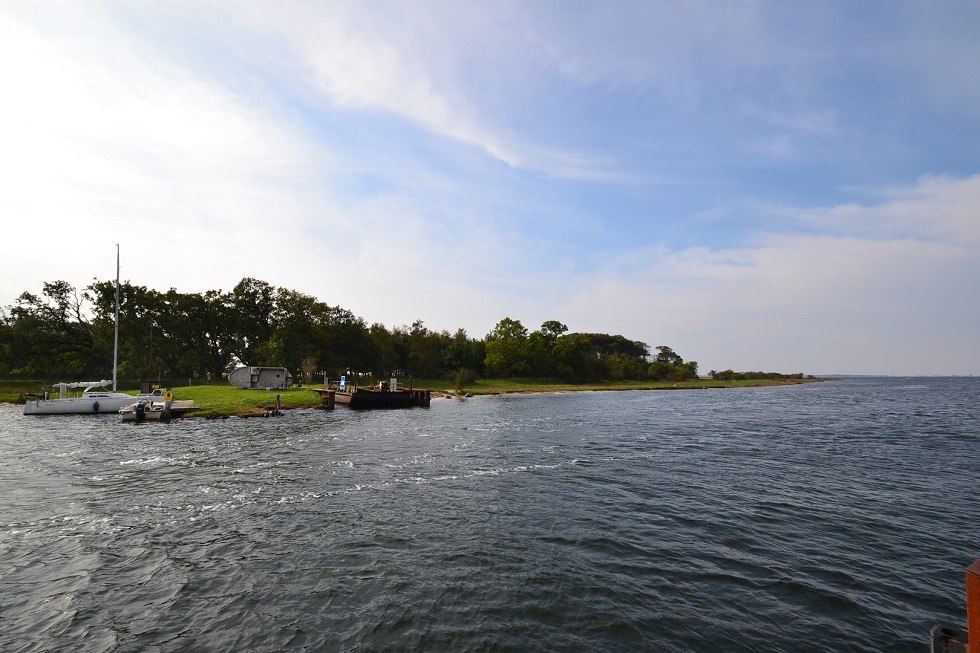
(755, 185)
(900, 376)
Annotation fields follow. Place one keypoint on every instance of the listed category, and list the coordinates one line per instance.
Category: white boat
(158, 406)
(144, 411)
(92, 401)
(149, 408)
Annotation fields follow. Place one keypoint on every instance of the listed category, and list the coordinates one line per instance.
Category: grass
(224, 400)
(12, 390)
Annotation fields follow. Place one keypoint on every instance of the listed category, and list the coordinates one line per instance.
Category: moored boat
(386, 395)
(143, 411)
(160, 406)
(91, 401)
(363, 398)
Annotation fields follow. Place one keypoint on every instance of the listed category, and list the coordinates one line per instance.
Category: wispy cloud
(935, 208)
(362, 61)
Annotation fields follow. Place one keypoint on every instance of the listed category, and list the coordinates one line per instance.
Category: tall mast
(115, 345)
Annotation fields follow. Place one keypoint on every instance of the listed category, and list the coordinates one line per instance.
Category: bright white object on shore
(91, 401)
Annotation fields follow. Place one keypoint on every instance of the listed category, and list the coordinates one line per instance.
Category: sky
(787, 187)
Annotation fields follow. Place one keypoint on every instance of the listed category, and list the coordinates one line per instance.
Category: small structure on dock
(250, 377)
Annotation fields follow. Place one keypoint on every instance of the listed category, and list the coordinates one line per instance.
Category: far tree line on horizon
(173, 335)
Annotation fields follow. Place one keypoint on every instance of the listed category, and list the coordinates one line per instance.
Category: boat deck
(363, 399)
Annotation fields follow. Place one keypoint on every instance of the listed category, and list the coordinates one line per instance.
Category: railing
(949, 639)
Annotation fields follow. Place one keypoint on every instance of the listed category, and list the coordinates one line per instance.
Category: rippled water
(827, 517)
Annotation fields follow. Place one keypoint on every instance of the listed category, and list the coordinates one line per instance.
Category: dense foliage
(66, 334)
(730, 375)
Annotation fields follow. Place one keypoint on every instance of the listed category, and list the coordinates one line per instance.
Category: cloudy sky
(759, 185)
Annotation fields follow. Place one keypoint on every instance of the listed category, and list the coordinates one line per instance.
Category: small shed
(260, 378)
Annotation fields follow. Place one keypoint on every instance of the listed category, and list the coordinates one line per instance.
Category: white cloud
(937, 208)
(824, 303)
(105, 142)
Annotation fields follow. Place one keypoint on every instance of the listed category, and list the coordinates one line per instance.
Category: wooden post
(331, 398)
(973, 606)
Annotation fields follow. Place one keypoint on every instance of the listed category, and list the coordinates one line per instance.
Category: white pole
(115, 346)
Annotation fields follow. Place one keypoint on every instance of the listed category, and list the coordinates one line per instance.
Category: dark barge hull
(360, 399)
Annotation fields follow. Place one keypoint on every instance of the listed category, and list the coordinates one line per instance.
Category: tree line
(67, 333)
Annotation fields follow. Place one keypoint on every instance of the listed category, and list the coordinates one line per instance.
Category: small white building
(260, 378)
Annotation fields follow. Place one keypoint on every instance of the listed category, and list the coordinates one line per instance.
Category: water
(827, 517)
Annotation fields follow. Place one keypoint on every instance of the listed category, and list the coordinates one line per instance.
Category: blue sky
(778, 186)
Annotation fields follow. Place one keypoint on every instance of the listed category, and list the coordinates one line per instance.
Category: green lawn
(225, 399)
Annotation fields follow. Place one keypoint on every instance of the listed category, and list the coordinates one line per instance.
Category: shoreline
(306, 397)
(222, 401)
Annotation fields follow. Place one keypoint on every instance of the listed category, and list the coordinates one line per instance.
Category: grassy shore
(218, 400)
(225, 400)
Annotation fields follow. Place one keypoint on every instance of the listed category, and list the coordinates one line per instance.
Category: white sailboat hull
(94, 403)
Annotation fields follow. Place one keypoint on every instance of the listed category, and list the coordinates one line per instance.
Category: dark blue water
(827, 517)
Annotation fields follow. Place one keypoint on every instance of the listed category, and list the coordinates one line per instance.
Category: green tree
(385, 354)
(607, 345)
(345, 342)
(139, 309)
(506, 349)
(51, 334)
(552, 329)
(6, 335)
(194, 336)
(425, 351)
(539, 354)
(621, 366)
(295, 321)
(463, 353)
(668, 365)
(622, 358)
(541, 348)
(251, 304)
(576, 359)
(668, 355)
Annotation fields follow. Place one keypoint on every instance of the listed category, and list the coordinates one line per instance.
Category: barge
(385, 395)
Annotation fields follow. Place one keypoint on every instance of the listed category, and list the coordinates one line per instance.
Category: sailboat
(94, 398)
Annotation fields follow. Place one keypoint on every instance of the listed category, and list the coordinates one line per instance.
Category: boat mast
(115, 344)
